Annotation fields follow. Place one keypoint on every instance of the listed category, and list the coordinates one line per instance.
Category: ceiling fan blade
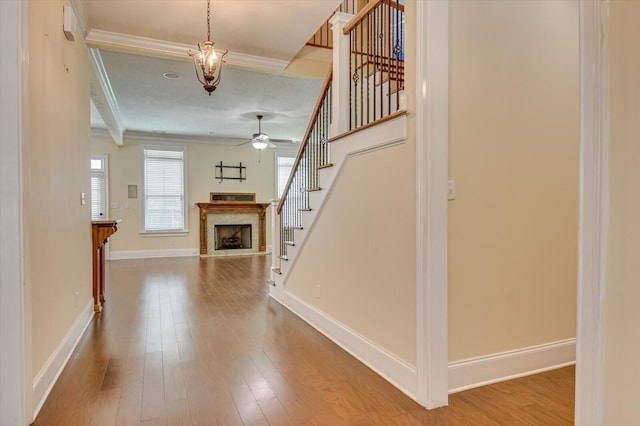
(281, 140)
(243, 143)
(271, 145)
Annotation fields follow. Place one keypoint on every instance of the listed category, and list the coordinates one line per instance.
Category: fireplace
(232, 237)
(232, 224)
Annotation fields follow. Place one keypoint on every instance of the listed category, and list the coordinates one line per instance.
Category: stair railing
(323, 37)
(376, 61)
(312, 155)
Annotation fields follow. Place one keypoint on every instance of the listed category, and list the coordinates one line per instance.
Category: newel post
(341, 77)
(275, 238)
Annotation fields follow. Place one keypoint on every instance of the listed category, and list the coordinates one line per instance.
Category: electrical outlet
(451, 192)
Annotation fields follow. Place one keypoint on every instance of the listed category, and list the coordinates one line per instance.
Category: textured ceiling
(150, 102)
(271, 29)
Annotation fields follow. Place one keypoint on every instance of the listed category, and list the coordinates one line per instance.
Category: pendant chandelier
(206, 62)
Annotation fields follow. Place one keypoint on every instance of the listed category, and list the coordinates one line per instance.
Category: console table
(101, 230)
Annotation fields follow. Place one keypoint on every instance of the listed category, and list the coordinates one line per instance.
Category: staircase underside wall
(358, 264)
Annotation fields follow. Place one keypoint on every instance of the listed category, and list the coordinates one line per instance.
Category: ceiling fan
(261, 140)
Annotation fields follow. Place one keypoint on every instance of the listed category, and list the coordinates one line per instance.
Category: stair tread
(317, 188)
(324, 166)
(305, 210)
(290, 243)
(271, 282)
(284, 257)
(277, 271)
(298, 227)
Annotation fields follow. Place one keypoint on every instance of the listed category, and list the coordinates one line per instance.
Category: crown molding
(104, 99)
(80, 10)
(172, 137)
(99, 38)
(200, 139)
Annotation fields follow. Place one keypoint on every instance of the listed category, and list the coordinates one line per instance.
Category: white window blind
(97, 199)
(164, 189)
(283, 170)
(98, 188)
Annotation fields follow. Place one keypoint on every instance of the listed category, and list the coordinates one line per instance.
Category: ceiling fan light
(259, 144)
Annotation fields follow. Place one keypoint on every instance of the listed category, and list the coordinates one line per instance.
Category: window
(99, 209)
(284, 164)
(164, 188)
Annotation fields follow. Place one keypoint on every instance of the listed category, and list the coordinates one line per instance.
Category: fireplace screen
(232, 237)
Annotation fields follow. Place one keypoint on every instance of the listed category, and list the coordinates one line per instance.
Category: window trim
(282, 152)
(168, 232)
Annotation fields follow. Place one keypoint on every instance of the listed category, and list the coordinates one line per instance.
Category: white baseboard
(386, 365)
(47, 377)
(146, 254)
(481, 371)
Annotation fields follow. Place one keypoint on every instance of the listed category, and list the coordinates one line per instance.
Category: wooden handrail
(305, 141)
(370, 124)
(366, 10)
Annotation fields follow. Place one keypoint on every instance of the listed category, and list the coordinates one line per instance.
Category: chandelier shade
(207, 63)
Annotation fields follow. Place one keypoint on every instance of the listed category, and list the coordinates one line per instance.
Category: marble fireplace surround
(219, 213)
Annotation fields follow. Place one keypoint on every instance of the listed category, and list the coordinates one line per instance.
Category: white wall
(358, 264)
(59, 229)
(621, 340)
(513, 128)
(124, 170)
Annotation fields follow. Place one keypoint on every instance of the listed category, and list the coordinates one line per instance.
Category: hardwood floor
(189, 341)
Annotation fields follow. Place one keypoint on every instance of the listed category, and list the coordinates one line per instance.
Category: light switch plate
(451, 191)
(83, 199)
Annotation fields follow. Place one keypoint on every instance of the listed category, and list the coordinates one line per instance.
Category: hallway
(190, 341)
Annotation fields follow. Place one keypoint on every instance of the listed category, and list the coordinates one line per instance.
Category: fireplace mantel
(233, 208)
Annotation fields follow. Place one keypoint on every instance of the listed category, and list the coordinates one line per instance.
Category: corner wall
(58, 230)
(513, 153)
(621, 316)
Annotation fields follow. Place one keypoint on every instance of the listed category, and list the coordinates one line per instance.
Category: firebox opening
(232, 237)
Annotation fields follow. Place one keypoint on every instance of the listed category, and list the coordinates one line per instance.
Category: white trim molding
(47, 377)
(485, 370)
(126, 42)
(104, 99)
(592, 235)
(432, 139)
(15, 360)
(392, 369)
(148, 254)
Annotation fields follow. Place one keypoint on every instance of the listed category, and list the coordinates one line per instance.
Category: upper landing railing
(323, 37)
(376, 61)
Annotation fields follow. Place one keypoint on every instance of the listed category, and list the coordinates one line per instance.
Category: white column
(341, 77)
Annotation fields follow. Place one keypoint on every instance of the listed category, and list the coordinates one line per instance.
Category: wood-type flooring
(190, 341)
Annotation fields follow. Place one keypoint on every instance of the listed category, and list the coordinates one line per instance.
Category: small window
(284, 164)
(99, 209)
(164, 189)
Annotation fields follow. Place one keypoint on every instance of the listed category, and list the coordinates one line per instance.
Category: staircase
(361, 107)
